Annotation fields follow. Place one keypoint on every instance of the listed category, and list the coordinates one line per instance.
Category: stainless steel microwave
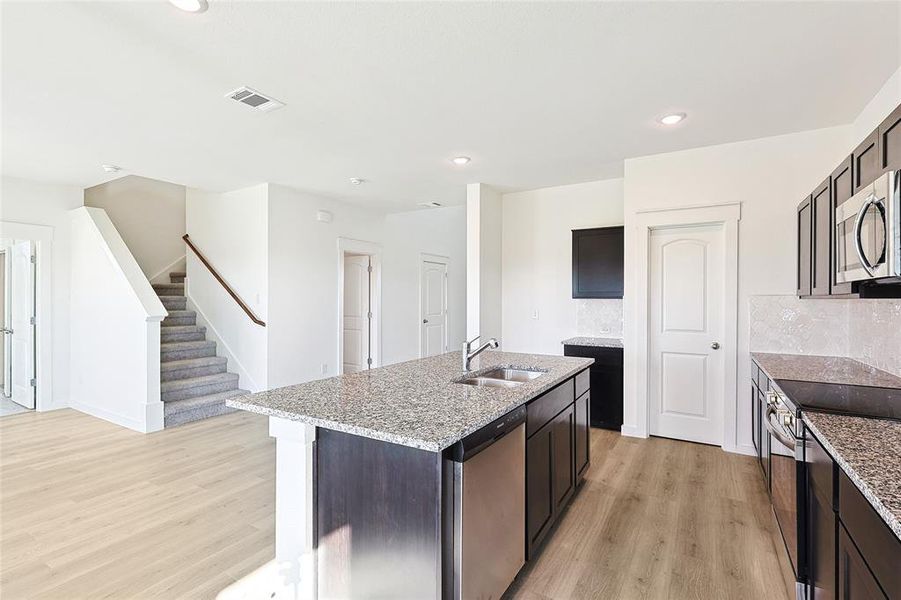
(868, 232)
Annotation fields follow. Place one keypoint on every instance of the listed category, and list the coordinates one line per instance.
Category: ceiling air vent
(254, 99)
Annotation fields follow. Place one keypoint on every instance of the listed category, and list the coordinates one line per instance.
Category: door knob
(715, 345)
(425, 320)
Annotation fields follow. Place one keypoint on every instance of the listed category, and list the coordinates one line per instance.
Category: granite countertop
(869, 452)
(415, 403)
(823, 369)
(596, 342)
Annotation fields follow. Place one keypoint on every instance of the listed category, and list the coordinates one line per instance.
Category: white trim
(374, 251)
(245, 381)
(108, 415)
(163, 275)
(441, 260)
(728, 215)
(42, 236)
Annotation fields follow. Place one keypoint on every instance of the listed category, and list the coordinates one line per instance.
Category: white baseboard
(632, 431)
(113, 417)
(245, 381)
(745, 449)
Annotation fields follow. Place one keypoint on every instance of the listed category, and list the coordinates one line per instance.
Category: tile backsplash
(866, 330)
(600, 318)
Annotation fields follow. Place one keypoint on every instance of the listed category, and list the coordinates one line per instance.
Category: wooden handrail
(218, 277)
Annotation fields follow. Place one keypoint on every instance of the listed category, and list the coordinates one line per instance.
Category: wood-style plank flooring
(92, 510)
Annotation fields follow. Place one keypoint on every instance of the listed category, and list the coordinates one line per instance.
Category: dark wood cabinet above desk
(598, 258)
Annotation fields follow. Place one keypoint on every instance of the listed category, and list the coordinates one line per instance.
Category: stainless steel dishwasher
(489, 508)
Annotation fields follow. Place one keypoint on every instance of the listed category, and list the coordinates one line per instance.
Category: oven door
(785, 472)
(864, 233)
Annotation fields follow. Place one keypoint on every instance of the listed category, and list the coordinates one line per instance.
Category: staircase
(194, 384)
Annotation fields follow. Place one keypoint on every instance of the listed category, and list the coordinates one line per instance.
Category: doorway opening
(18, 325)
(433, 305)
(359, 306)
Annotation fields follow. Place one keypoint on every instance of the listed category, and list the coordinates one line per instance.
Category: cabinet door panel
(539, 485)
(805, 238)
(855, 581)
(890, 141)
(564, 461)
(582, 418)
(842, 190)
(821, 267)
(866, 161)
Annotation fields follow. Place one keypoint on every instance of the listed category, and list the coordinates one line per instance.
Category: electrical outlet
(325, 368)
(535, 314)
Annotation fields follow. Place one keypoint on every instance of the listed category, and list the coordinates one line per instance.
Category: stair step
(177, 276)
(174, 302)
(180, 317)
(192, 367)
(178, 412)
(181, 389)
(182, 333)
(173, 351)
(169, 289)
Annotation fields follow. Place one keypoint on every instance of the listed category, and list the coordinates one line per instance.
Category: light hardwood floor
(91, 510)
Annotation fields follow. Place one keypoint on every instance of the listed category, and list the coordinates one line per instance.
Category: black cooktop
(857, 400)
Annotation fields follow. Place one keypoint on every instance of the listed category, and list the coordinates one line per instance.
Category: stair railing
(218, 277)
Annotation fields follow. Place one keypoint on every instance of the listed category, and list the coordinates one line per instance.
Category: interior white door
(686, 365)
(433, 306)
(357, 315)
(21, 315)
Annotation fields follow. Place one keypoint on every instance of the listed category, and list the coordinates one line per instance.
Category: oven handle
(858, 226)
(788, 442)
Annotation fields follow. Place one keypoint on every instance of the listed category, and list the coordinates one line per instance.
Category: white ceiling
(537, 94)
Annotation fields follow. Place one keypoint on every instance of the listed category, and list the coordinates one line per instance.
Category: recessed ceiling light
(111, 168)
(460, 160)
(357, 180)
(194, 6)
(673, 118)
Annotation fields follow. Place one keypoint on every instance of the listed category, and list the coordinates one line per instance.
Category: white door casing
(22, 312)
(685, 314)
(357, 315)
(433, 306)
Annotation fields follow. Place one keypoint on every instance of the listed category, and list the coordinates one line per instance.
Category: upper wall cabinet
(821, 266)
(805, 246)
(866, 161)
(598, 262)
(842, 190)
(890, 142)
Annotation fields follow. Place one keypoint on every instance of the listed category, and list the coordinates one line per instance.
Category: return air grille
(254, 99)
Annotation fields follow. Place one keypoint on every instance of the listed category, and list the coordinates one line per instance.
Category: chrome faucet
(469, 354)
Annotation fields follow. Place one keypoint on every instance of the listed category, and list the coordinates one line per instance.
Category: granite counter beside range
(823, 369)
(869, 452)
(594, 342)
(416, 403)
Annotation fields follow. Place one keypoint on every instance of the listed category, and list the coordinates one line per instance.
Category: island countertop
(415, 403)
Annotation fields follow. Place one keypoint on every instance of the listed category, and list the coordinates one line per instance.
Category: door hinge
(34, 259)
(369, 269)
(33, 321)
(369, 361)
(369, 315)
(33, 383)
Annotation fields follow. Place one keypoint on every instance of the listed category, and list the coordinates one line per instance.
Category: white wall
(884, 102)
(150, 217)
(408, 236)
(484, 223)
(43, 204)
(115, 328)
(537, 265)
(769, 177)
(232, 230)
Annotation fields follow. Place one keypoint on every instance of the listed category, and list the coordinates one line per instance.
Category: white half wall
(32, 203)
(484, 225)
(150, 216)
(232, 230)
(537, 265)
(769, 177)
(115, 328)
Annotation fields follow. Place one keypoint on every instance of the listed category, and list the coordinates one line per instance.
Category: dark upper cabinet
(890, 142)
(598, 256)
(866, 161)
(842, 190)
(803, 252)
(821, 266)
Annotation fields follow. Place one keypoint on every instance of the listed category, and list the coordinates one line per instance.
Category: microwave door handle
(776, 433)
(858, 227)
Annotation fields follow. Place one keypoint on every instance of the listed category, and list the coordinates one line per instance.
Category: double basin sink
(503, 377)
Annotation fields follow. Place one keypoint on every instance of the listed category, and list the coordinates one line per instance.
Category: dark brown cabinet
(866, 161)
(805, 237)
(821, 520)
(821, 267)
(539, 485)
(582, 434)
(842, 190)
(606, 402)
(564, 460)
(855, 581)
(890, 142)
(598, 262)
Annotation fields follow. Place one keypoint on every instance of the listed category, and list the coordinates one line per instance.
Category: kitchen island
(366, 472)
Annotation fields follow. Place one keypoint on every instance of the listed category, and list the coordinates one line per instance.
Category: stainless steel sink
(501, 378)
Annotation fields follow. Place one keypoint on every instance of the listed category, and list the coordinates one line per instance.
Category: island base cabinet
(582, 435)
(539, 486)
(855, 581)
(564, 461)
